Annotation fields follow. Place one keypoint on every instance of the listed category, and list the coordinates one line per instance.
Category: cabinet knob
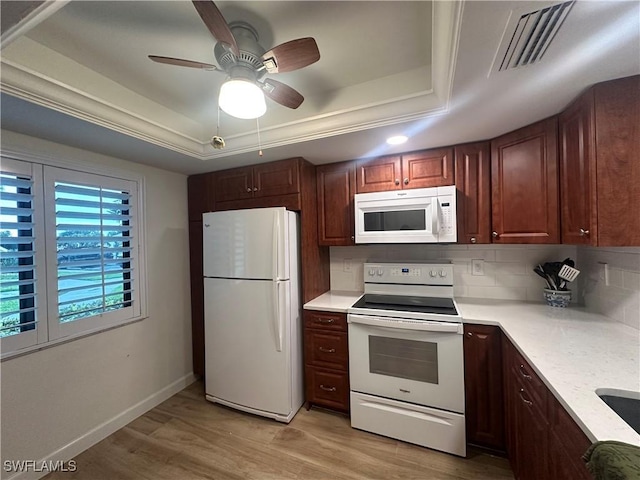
(397, 182)
(406, 181)
(353, 237)
(255, 189)
(494, 234)
(469, 334)
(249, 189)
(473, 240)
(583, 232)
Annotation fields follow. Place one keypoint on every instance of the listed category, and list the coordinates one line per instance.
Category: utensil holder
(557, 298)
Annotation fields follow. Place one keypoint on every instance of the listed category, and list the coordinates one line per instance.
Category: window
(87, 227)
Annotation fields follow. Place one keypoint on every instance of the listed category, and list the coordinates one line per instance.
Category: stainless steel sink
(626, 404)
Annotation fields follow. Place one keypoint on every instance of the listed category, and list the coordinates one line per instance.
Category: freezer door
(246, 244)
(247, 343)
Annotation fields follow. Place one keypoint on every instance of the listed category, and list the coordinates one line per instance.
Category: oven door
(421, 366)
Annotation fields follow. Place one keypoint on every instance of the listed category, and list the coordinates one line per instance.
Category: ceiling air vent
(528, 35)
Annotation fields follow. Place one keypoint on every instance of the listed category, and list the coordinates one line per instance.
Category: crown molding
(39, 88)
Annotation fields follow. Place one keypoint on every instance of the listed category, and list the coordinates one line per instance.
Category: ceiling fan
(241, 57)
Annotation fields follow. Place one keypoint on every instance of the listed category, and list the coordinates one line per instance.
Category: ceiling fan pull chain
(259, 144)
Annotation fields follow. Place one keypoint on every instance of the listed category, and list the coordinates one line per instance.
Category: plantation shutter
(93, 244)
(17, 259)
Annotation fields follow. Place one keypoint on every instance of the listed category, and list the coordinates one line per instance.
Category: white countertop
(333, 301)
(573, 351)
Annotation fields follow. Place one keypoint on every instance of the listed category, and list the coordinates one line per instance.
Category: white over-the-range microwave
(421, 215)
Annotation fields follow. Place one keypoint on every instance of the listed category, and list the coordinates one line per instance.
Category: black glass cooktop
(401, 303)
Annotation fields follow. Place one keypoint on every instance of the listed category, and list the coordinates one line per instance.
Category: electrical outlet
(346, 266)
(477, 266)
(604, 273)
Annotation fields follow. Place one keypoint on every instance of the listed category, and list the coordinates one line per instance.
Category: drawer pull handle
(527, 402)
(524, 373)
(328, 389)
(327, 350)
(325, 320)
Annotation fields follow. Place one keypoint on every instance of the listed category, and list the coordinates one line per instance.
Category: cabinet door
(524, 181)
(577, 172)
(336, 187)
(531, 440)
(276, 178)
(197, 296)
(617, 104)
(379, 174)
(199, 196)
(428, 168)
(567, 444)
(233, 184)
(483, 386)
(473, 182)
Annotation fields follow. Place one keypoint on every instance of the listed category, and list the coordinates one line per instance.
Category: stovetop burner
(401, 303)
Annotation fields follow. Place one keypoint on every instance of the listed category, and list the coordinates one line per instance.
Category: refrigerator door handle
(276, 315)
(275, 246)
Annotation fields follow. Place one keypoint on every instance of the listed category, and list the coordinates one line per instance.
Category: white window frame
(40, 333)
(94, 322)
(49, 331)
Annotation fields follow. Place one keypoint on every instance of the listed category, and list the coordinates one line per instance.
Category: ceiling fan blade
(216, 24)
(282, 94)
(291, 55)
(182, 62)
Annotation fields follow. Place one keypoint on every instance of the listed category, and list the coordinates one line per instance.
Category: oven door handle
(407, 324)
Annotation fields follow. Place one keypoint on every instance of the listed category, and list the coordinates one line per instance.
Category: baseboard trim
(102, 431)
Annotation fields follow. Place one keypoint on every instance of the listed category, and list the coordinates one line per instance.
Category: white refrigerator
(253, 339)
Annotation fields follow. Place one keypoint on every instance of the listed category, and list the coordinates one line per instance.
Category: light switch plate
(477, 266)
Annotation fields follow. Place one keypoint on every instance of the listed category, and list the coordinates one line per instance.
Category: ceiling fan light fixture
(397, 139)
(242, 99)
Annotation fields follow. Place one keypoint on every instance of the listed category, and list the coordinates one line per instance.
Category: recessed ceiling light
(397, 140)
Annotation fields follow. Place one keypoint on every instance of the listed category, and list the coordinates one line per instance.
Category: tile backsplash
(507, 269)
(620, 299)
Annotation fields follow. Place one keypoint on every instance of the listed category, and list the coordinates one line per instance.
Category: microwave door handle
(434, 217)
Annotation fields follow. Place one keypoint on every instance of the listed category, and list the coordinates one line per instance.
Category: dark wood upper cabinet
(199, 195)
(379, 174)
(524, 176)
(276, 178)
(600, 165)
(233, 184)
(484, 410)
(336, 184)
(578, 172)
(263, 180)
(428, 168)
(473, 182)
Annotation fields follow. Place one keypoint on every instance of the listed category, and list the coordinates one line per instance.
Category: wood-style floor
(187, 437)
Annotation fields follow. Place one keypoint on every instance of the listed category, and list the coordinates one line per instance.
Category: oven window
(391, 221)
(410, 359)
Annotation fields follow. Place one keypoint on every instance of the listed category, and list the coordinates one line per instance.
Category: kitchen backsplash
(620, 299)
(507, 269)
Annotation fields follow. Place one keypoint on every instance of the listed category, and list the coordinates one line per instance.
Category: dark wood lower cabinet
(543, 441)
(483, 386)
(326, 359)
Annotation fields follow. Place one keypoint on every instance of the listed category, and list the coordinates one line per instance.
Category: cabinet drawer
(326, 388)
(325, 320)
(532, 389)
(326, 349)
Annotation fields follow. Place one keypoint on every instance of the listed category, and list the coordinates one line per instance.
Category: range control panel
(409, 273)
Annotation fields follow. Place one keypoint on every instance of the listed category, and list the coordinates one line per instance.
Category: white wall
(620, 300)
(508, 269)
(64, 398)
